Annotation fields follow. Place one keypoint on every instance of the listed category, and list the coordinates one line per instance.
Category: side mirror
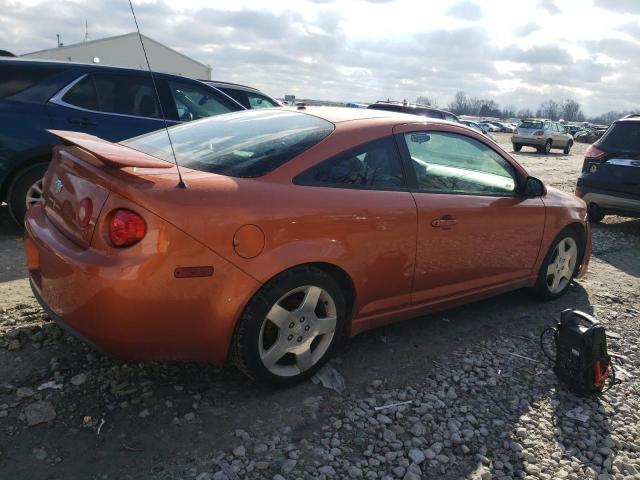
(533, 187)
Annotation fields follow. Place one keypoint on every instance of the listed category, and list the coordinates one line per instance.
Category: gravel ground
(461, 394)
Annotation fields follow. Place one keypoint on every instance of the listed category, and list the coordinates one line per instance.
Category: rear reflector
(85, 210)
(126, 228)
(594, 153)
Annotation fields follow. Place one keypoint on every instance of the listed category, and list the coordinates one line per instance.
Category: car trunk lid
(81, 176)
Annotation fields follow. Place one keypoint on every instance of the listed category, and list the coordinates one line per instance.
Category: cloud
(539, 54)
(466, 10)
(526, 29)
(549, 6)
(624, 6)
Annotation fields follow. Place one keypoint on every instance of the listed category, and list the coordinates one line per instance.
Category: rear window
(623, 136)
(241, 144)
(16, 78)
(531, 124)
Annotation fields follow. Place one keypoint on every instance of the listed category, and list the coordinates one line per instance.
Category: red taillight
(126, 228)
(538, 133)
(85, 211)
(594, 153)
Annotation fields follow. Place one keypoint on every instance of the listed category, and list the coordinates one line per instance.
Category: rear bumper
(528, 140)
(132, 306)
(612, 202)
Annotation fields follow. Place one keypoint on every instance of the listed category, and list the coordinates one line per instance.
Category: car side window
(452, 163)
(193, 102)
(82, 94)
(126, 95)
(372, 165)
(259, 101)
(451, 118)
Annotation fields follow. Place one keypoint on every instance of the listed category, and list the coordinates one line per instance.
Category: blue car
(110, 102)
(610, 178)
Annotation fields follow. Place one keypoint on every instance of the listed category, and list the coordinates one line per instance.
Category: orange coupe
(295, 228)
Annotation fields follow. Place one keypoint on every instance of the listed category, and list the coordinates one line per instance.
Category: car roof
(344, 114)
(88, 66)
(409, 106)
(236, 86)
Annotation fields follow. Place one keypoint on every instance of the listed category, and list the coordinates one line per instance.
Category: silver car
(543, 135)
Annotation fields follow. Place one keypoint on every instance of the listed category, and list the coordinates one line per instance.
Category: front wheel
(547, 147)
(559, 266)
(26, 190)
(290, 327)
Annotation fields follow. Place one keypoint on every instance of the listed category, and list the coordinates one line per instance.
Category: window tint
(374, 164)
(249, 143)
(531, 124)
(451, 163)
(622, 136)
(82, 94)
(193, 102)
(451, 118)
(17, 78)
(126, 95)
(238, 95)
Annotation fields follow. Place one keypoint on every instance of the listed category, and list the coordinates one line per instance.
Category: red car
(296, 227)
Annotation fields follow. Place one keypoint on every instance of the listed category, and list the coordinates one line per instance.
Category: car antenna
(181, 183)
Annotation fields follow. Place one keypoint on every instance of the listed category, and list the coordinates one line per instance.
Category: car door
(113, 106)
(474, 230)
(376, 223)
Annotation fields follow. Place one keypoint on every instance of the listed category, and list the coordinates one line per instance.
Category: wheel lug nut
(299, 339)
(306, 329)
(289, 337)
(291, 325)
(301, 319)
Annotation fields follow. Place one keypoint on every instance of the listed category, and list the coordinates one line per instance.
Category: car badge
(58, 185)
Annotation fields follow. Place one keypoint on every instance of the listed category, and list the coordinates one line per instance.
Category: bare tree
(549, 109)
(509, 112)
(426, 100)
(571, 111)
(460, 105)
(524, 113)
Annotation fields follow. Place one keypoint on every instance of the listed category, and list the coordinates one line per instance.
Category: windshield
(242, 144)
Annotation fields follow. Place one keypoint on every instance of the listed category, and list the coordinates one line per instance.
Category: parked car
(543, 135)
(248, 97)
(590, 134)
(113, 103)
(479, 128)
(296, 227)
(490, 126)
(414, 109)
(498, 126)
(610, 178)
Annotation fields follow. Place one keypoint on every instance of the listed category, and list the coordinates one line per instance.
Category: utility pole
(58, 37)
(86, 31)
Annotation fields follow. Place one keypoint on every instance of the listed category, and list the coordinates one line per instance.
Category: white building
(126, 51)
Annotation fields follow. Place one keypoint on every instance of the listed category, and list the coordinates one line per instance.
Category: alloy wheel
(297, 331)
(562, 265)
(34, 194)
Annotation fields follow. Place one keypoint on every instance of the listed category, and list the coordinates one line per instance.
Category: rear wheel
(567, 149)
(290, 327)
(517, 147)
(595, 213)
(559, 266)
(26, 190)
(547, 147)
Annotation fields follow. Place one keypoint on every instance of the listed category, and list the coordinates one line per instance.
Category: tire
(25, 183)
(567, 149)
(517, 147)
(556, 265)
(595, 213)
(547, 147)
(288, 348)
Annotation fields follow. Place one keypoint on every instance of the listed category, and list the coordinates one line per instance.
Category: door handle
(81, 121)
(446, 222)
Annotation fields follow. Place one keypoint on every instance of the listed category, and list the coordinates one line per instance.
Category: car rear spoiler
(111, 154)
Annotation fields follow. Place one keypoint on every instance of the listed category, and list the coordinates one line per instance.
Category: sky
(515, 52)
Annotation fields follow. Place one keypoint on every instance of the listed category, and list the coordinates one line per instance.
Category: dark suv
(414, 109)
(610, 178)
(110, 102)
